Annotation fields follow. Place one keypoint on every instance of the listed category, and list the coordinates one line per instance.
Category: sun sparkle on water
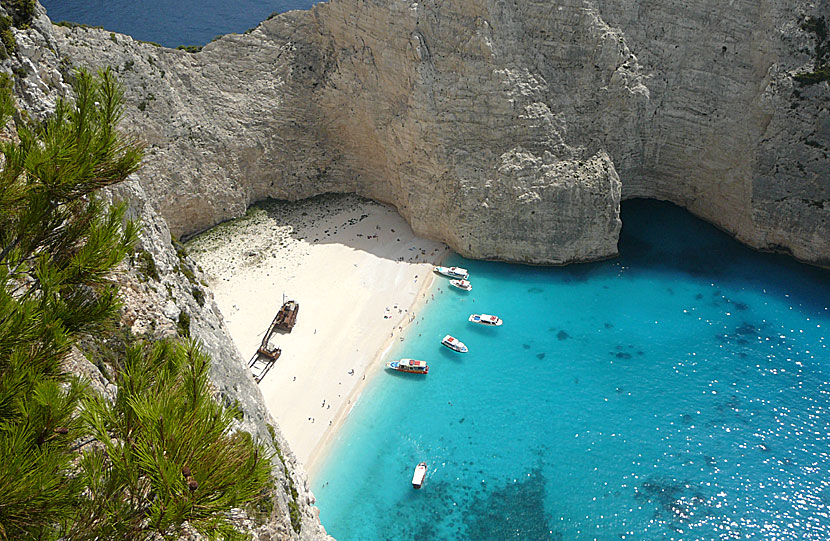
(676, 392)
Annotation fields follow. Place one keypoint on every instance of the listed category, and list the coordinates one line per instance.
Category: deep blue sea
(171, 22)
(679, 391)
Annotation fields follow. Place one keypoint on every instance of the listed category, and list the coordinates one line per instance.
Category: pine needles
(168, 449)
(163, 453)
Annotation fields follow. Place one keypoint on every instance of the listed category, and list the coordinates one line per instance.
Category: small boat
(409, 365)
(453, 272)
(462, 284)
(486, 319)
(419, 475)
(454, 344)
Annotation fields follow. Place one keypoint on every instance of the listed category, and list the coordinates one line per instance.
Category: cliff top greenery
(73, 464)
(22, 11)
(821, 65)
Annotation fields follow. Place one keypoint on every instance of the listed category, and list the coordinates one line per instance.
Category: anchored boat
(409, 365)
(454, 344)
(453, 272)
(486, 319)
(462, 284)
(419, 475)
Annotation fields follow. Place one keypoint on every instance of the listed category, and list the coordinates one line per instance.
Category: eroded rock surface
(509, 130)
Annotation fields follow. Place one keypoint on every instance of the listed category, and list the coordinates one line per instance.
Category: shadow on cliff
(660, 237)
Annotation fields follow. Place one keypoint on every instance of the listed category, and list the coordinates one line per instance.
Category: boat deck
(286, 318)
(265, 356)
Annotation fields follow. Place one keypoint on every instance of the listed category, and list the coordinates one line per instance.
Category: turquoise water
(171, 23)
(677, 392)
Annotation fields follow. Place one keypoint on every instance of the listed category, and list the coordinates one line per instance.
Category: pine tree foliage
(167, 449)
(163, 453)
(57, 246)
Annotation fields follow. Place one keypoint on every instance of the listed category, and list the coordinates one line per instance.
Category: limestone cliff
(154, 301)
(510, 130)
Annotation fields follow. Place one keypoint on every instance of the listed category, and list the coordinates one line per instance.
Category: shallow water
(171, 23)
(676, 392)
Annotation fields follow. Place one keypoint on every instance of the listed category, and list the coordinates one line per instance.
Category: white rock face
(152, 304)
(727, 133)
(509, 130)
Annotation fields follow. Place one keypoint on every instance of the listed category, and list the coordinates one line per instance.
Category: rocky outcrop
(158, 285)
(153, 306)
(510, 130)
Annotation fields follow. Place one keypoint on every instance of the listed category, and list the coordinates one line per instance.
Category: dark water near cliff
(680, 391)
(171, 22)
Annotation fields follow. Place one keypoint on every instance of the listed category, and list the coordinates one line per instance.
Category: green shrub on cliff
(190, 48)
(57, 245)
(821, 71)
(6, 37)
(22, 11)
(813, 77)
(167, 454)
(163, 453)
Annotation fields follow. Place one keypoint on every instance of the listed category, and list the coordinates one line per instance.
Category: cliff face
(154, 301)
(509, 130)
(728, 133)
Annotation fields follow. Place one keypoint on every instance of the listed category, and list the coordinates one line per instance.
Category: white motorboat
(409, 365)
(453, 272)
(419, 475)
(486, 319)
(454, 344)
(462, 284)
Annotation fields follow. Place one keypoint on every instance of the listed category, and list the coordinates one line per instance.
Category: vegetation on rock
(22, 11)
(190, 48)
(6, 37)
(167, 455)
(147, 265)
(74, 465)
(821, 71)
(183, 326)
(70, 24)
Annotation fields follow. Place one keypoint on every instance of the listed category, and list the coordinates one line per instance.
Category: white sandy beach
(358, 273)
